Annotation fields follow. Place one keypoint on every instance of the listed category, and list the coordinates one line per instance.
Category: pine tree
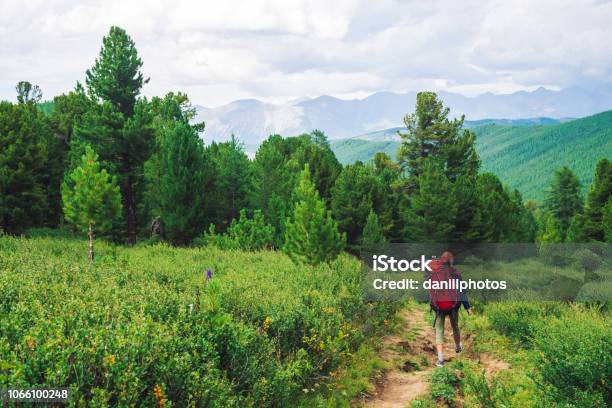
(166, 111)
(273, 184)
(93, 202)
(276, 170)
(607, 221)
(120, 129)
(389, 176)
(598, 196)
(116, 76)
(576, 231)
(526, 224)
(233, 180)
(467, 223)
(431, 133)
(495, 210)
(23, 156)
(68, 109)
(311, 235)
(182, 184)
(552, 231)
(277, 212)
(563, 199)
(325, 168)
(372, 232)
(356, 192)
(432, 208)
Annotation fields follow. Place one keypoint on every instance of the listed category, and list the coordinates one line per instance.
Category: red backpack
(442, 300)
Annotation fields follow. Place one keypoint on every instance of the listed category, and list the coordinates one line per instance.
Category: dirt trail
(411, 357)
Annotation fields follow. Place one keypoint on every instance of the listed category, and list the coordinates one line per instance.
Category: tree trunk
(129, 205)
(91, 248)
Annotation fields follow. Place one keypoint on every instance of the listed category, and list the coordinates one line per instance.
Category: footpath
(411, 356)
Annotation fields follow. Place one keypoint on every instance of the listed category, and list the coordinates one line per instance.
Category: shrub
(508, 388)
(443, 383)
(144, 324)
(479, 387)
(574, 356)
(554, 254)
(246, 233)
(587, 260)
(518, 320)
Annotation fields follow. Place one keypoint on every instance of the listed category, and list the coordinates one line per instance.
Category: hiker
(446, 302)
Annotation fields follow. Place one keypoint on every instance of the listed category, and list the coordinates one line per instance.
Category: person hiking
(446, 301)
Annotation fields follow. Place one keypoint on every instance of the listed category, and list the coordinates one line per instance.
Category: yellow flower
(159, 396)
(266, 324)
(109, 360)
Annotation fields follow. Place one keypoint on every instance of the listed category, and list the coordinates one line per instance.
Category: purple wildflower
(209, 274)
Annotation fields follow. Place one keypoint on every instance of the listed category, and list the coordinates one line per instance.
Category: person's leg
(454, 318)
(440, 337)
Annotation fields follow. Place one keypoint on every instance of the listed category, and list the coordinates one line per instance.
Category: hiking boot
(440, 363)
(458, 348)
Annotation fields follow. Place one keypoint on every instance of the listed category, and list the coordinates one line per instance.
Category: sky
(280, 50)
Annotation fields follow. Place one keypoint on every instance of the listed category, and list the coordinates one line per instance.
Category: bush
(443, 383)
(246, 233)
(144, 324)
(574, 356)
(587, 259)
(518, 320)
(554, 254)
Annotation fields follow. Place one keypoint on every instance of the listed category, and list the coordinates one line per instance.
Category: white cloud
(218, 51)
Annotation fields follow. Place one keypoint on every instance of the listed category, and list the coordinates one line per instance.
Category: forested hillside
(522, 155)
(351, 150)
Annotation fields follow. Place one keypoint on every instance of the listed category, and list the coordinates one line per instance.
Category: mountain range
(252, 120)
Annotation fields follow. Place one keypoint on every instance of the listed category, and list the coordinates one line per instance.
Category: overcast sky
(219, 51)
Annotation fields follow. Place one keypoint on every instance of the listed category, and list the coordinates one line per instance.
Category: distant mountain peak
(252, 120)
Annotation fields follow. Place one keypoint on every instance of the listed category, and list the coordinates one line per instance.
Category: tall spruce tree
(563, 200)
(182, 184)
(311, 235)
(120, 128)
(432, 209)
(431, 133)
(92, 201)
(116, 76)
